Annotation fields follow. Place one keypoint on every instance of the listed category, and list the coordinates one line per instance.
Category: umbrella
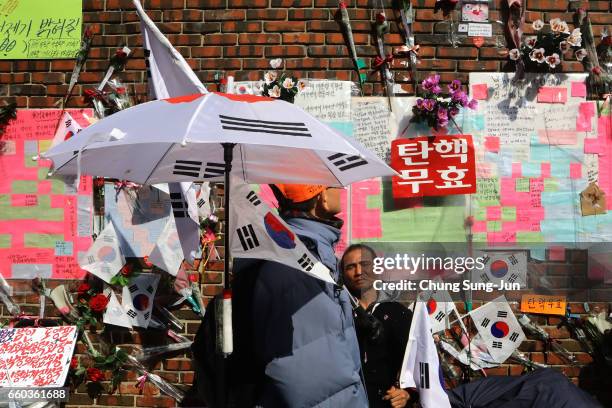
(210, 136)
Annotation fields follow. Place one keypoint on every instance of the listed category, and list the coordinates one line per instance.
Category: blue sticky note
(538, 253)
(530, 169)
(63, 248)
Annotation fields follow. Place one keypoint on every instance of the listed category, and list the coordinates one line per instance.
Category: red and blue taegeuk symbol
(280, 234)
(500, 329)
(431, 306)
(141, 302)
(107, 254)
(499, 268)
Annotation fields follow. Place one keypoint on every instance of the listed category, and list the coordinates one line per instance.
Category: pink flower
(553, 60)
(537, 55)
(455, 85)
(531, 41)
(453, 112)
(430, 83)
(460, 97)
(429, 104)
(442, 117)
(514, 54)
(473, 104)
(276, 63)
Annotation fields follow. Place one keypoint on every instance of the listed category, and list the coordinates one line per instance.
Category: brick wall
(238, 37)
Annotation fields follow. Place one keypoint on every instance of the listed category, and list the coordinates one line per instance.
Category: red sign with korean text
(433, 166)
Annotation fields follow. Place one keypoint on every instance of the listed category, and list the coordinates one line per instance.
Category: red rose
(99, 182)
(121, 90)
(146, 261)
(83, 288)
(596, 70)
(94, 374)
(98, 303)
(342, 4)
(74, 363)
(121, 54)
(126, 270)
(380, 18)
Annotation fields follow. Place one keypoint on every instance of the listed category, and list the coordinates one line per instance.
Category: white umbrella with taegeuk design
(183, 138)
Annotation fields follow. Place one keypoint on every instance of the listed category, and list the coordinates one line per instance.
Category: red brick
(267, 14)
(460, 52)
(291, 3)
(206, 52)
(92, 5)
(327, 51)
(280, 26)
(285, 51)
(47, 78)
(164, 4)
(308, 14)
(224, 15)
(247, 4)
(183, 15)
(185, 39)
(241, 26)
(435, 64)
(243, 51)
(220, 39)
(30, 65)
(116, 400)
(472, 66)
(206, 4)
(339, 39)
(259, 38)
(501, 370)
(303, 38)
(322, 26)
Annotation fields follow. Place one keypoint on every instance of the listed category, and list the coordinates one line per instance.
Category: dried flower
(581, 54)
(514, 54)
(537, 55)
(98, 303)
(553, 60)
(94, 374)
(537, 25)
(126, 270)
(276, 63)
(275, 92)
(288, 83)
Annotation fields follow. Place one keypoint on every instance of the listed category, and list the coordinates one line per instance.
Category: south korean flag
(440, 307)
(168, 253)
(104, 258)
(498, 328)
(257, 232)
(137, 299)
(509, 267)
(68, 127)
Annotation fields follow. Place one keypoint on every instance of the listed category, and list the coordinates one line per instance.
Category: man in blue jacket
(303, 337)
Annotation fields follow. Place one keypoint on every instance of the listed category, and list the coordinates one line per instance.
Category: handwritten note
(371, 125)
(36, 357)
(328, 101)
(543, 304)
(33, 29)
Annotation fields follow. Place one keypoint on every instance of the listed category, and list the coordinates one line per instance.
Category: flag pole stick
(228, 153)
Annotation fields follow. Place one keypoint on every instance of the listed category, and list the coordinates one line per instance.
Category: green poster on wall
(40, 29)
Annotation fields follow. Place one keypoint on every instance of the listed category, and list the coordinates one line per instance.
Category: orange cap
(300, 192)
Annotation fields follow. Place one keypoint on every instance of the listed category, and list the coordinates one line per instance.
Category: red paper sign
(433, 166)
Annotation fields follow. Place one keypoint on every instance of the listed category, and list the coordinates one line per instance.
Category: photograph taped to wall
(475, 12)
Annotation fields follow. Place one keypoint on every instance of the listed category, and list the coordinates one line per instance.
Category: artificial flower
(454, 86)
(430, 83)
(564, 46)
(575, 38)
(537, 55)
(514, 54)
(460, 97)
(381, 18)
(473, 104)
(581, 54)
(531, 41)
(276, 63)
(558, 26)
(537, 25)
(442, 117)
(553, 60)
(429, 104)
(275, 92)
(288, 83)
(270, 77)
(98, 303)
(302, 85)
(453, 112)
(95, 374)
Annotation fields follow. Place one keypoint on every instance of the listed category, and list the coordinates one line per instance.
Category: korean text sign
(433, 166)
(34, 29)
(36, 357)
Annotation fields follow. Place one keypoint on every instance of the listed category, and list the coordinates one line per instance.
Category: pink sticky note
(583, 120)
(545, 170)
(575, 170)
(548, 94)
(516, 170)
(559, 137)
(592, 146)
(556, 253)
(579, 90)
(480, 91)
(493, 213)
(492, 144)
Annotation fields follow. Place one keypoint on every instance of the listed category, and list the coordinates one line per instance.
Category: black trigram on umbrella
(189, 168)
(497, 344)
(440, 316)
(213, 170)
(264, 126)
(514, 336)
(253, 199)
(247, 237)
(424, 374)
(485, 322)
(345, 162)
(306, 263)
(502, 314)
(179, 206)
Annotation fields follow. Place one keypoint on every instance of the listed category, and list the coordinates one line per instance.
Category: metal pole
(228, 155)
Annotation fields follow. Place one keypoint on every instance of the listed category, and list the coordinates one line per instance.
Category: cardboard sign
(433, 166)
(36, 357)
(34, 29)
(543, 304)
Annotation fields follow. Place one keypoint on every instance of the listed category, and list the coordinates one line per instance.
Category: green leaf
(80, 371)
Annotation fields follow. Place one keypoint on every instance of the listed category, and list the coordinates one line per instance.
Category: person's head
(314, 199)
(356, 266)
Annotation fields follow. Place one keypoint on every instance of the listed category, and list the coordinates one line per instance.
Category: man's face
(330, 201)
(357, 269)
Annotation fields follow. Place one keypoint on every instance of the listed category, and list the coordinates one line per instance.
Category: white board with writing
(328, 101)
(371, 125)
(36, 357)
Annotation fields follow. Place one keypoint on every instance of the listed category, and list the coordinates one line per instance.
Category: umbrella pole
(228, 156)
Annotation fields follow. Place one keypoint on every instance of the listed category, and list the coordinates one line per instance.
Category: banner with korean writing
(433, 166)
(34, 29)
(36, 357)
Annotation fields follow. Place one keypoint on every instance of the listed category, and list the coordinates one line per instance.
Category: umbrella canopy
(180, 139)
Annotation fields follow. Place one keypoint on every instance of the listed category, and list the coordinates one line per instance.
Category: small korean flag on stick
(498, 328)
(257, 232)
(440, 307)
(104, 258)
(168, 253)
(114, 313)
(510, 267)
(137, 300)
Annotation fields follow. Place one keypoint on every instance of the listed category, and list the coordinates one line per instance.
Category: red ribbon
(378, 61)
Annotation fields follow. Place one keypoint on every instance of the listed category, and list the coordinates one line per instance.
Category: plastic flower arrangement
(436, 110)
(281, 86)
(545, 51)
